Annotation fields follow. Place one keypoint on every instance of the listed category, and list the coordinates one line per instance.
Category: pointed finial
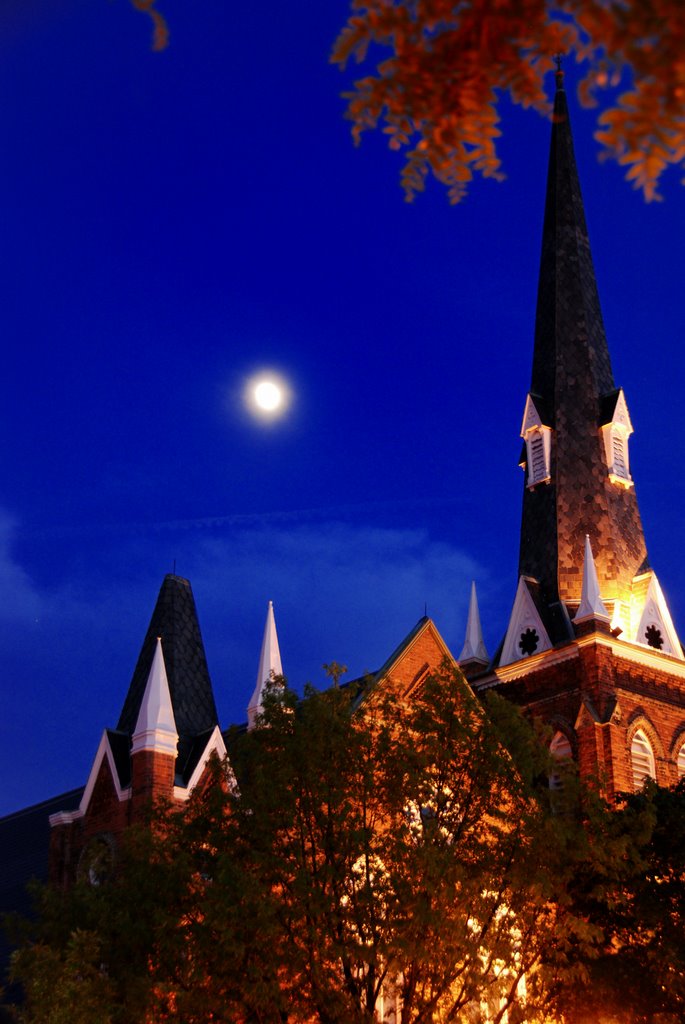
(474, 647)
(156, 726)
(559, 74)
(591, 604)
(269, 666)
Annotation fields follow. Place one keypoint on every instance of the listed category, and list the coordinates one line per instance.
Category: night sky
(172, 223)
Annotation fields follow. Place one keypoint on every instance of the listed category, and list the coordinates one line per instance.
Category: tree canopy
(400, 856)
(438, 70)
(637, 973)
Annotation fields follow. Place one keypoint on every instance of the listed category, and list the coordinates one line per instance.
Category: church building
(590, 647)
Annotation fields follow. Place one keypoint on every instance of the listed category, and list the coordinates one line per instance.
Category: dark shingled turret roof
(175, 621)
(571, 380)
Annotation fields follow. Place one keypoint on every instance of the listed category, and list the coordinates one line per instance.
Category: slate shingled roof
(174, 619)
(571, 376)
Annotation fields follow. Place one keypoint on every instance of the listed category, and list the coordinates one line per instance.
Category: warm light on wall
(617, 619)
(626, 616)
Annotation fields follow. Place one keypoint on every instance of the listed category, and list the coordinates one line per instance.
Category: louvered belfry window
(615, 437)
(642, 760)
(619, 467)
(538, 439)
(537, 454)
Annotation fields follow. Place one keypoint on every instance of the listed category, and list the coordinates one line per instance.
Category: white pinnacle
(591, 604)
(156, 726)
(474, 647)
(269, 666)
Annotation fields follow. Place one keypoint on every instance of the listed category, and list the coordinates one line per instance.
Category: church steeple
(590, 647)
(576, 424)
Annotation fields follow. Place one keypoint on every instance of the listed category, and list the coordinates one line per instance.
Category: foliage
(639, 968)
(372, 852)
(443, 66)
(160, 29)
(85, 959)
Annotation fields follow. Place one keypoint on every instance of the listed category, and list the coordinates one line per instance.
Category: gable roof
(421, 651)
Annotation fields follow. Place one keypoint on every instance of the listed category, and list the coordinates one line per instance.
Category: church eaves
(572, 387)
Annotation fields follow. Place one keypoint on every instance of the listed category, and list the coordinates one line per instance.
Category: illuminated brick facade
(590, 647)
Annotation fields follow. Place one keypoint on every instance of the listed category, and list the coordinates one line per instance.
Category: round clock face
(96, 862)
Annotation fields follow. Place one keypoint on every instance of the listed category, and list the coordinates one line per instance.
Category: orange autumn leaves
(160, 29)
(441, 68)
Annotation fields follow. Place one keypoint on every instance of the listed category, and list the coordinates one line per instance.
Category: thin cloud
(19, 599)
(342, 592)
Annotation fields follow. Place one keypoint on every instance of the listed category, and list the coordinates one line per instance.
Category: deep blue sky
(169, 223)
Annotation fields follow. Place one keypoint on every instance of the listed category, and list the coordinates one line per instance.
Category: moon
(268, 395)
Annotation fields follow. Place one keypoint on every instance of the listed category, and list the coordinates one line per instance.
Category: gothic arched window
(560, 749)
(642, 760)
(680, 763)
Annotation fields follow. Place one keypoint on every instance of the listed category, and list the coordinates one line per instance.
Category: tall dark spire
(573, 393)
(174, 619)
(569, 330)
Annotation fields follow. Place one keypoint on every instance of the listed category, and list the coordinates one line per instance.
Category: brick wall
(424, 654)
(599, 698)
(152, 778)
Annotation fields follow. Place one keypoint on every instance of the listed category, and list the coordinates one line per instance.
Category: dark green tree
(637, 972)
(358, 853)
